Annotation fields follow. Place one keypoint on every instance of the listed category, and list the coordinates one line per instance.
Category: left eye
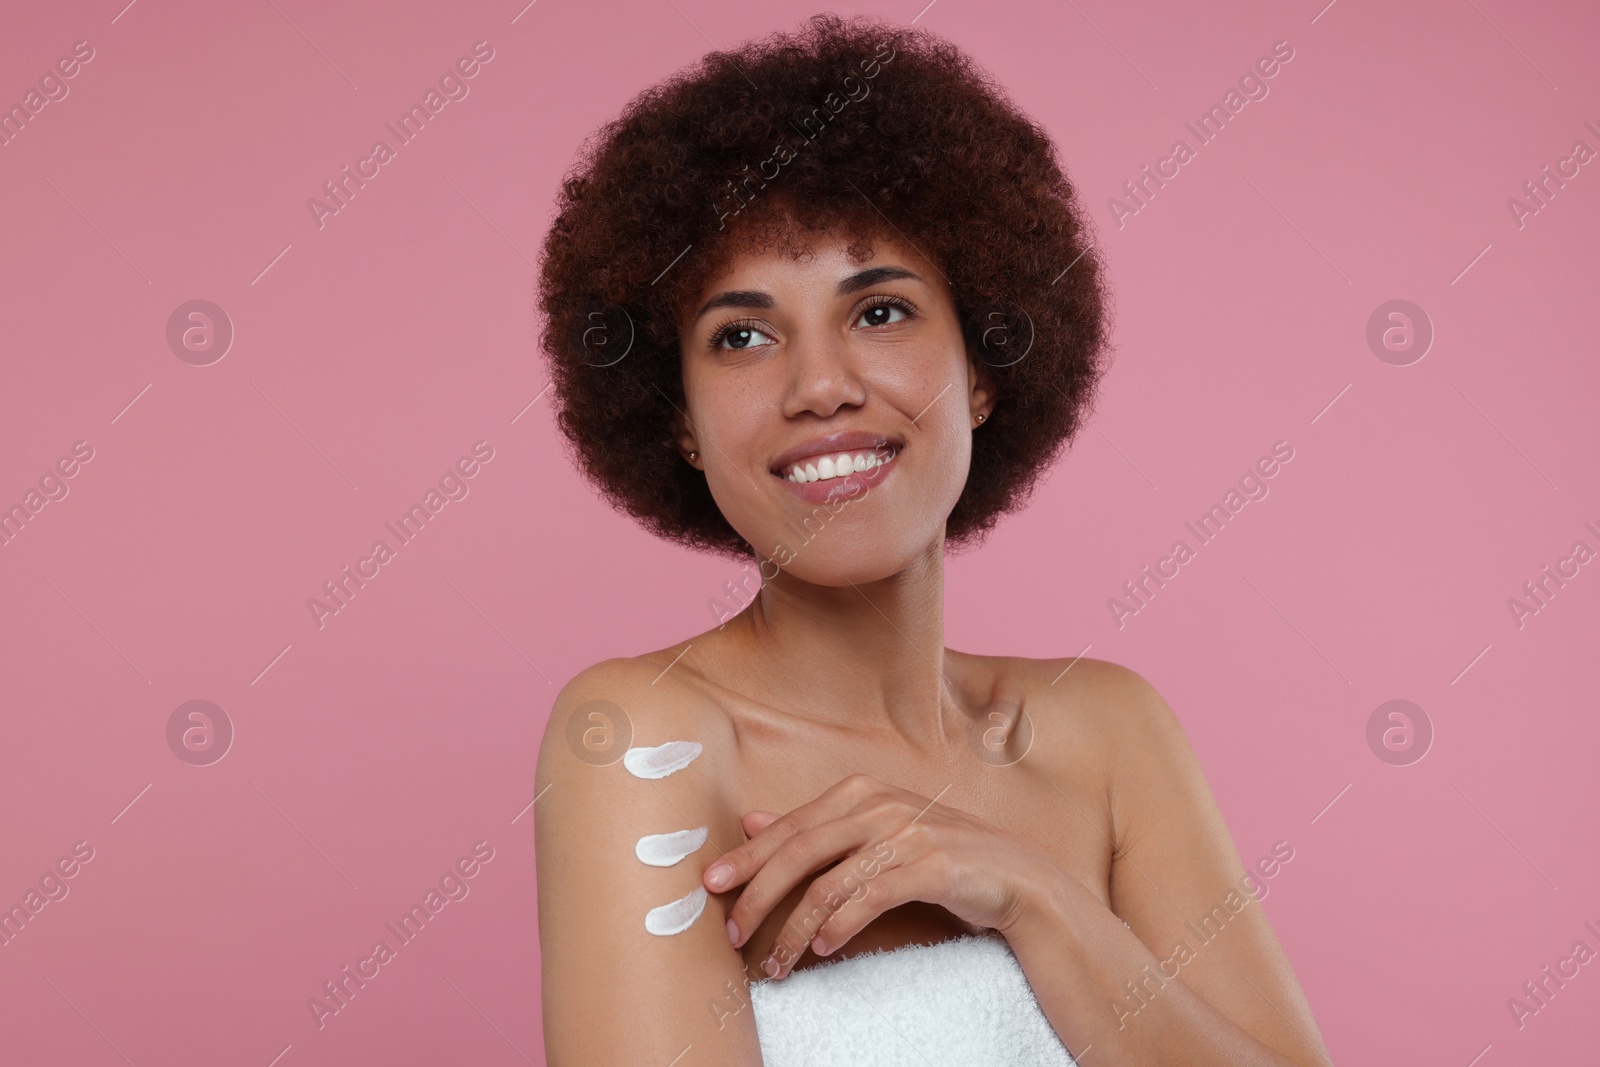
(879, 314)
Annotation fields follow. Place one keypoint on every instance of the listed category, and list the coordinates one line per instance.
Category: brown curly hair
(875, 128)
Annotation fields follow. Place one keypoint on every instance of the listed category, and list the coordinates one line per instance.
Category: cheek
(733, 426)
(940, 442)
(947, 457)
(740, 502)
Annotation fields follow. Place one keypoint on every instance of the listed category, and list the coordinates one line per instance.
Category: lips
(883, 449)
(832, 444)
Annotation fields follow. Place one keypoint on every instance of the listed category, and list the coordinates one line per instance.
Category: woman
(827, 305)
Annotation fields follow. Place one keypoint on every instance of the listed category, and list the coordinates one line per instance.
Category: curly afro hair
(874, 128)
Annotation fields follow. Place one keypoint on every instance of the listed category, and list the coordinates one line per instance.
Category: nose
(823, 376)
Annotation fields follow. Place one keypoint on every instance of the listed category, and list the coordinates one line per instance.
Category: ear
(683, 435)
(982, 392)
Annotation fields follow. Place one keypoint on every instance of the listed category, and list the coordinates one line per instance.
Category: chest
(1055, 811)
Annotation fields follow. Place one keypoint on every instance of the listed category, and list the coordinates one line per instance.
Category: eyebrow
(756, 298)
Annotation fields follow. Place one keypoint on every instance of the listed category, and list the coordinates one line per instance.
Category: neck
(866, 655)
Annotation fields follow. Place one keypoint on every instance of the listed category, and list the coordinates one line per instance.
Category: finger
(842, 902)
(890, 889)
(739, 865)
(757, 821)
(797, 857)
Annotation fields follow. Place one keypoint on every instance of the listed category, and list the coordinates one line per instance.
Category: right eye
(742, 333)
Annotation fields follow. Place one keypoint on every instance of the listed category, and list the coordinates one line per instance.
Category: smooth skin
(844, 780)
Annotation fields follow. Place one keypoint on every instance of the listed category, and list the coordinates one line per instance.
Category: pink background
(373, 352)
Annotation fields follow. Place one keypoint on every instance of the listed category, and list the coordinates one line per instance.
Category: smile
(835, 465)
(841, 465)
(806, 478)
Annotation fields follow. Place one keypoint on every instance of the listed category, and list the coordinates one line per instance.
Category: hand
(896, 846)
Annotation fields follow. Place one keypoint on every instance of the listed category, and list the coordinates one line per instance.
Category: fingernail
(733, 932)
(719, 874)
(771, 967)
(819, 946)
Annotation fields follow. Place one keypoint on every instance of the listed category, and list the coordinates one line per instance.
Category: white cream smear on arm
(662, 760)
(663, 850)
(678, 916)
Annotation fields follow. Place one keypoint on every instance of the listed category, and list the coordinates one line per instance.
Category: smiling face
(796, 368)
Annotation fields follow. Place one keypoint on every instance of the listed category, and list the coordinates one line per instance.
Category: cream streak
(662, 760)
(678, 916)
(664, 850)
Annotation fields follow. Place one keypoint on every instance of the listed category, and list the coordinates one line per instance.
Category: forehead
(777, 246)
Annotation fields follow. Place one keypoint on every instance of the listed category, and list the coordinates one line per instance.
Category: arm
(1218, 988)
(613, 992)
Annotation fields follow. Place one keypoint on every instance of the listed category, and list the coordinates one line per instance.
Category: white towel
(962, 1003)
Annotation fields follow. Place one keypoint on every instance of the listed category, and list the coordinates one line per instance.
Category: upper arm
(613, 992)
(1177, 879)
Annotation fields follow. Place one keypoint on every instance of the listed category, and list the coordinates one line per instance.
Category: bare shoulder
(1092, 712)
(1110, 695)
(629, 745)
(631, 807)
(1140, 748)
(623, 703)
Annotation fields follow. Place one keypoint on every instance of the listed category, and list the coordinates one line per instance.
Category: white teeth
(837, 466)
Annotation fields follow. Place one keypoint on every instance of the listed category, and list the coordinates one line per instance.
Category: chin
(816, 570)
(839, 552)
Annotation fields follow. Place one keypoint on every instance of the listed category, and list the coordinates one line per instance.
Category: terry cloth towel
(961, 1003)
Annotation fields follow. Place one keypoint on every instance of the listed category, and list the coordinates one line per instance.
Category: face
(799, 368)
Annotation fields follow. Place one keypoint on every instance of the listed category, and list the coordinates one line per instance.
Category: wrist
(1046, 902)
